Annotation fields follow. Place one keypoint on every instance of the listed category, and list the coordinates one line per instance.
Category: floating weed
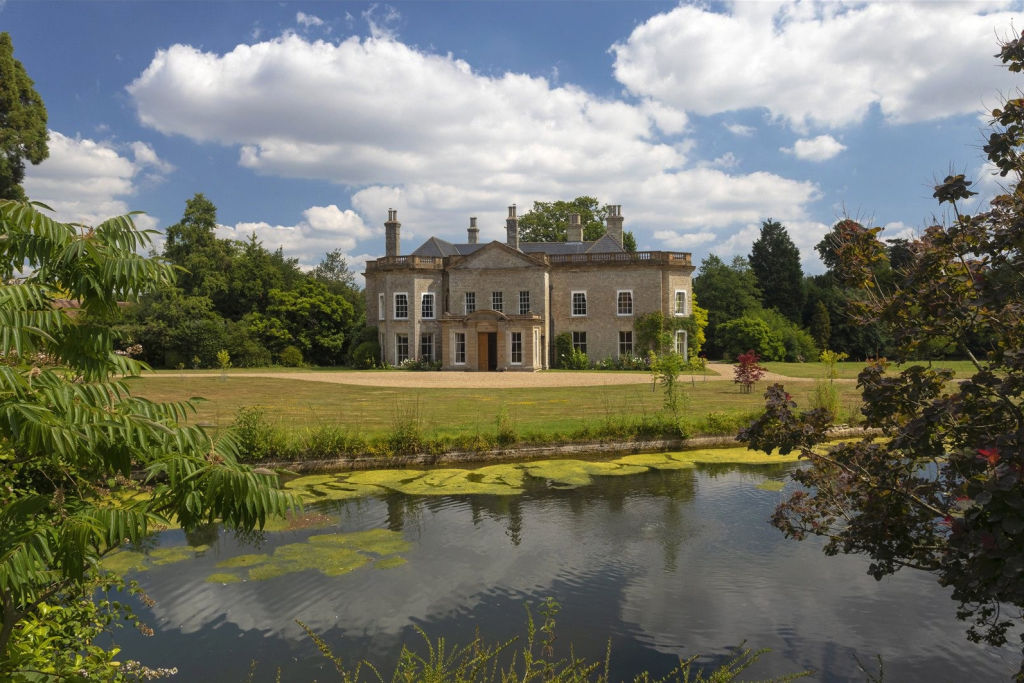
(656, 461)
(733, 456)
(223, 578)
(455, 482)
(573, 473)
(121, 562)
(327, 492)
(308, 519)
(385, 478)
(376, 541)
(178, 553)
(389, 562)
(771, 485)
(243, 561)
(509, 475)
(311, 480)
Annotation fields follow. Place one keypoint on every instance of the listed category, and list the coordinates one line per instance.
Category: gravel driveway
(488, 380)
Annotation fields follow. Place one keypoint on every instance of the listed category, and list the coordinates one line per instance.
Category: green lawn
(370, 411)
(850, 369)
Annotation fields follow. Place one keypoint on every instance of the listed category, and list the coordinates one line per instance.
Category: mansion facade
(499, 306)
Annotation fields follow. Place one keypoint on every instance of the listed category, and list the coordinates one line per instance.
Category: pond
(665, 564)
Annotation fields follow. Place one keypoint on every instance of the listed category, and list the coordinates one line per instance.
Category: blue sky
(304, 122)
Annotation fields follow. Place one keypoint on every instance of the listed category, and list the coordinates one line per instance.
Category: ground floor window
(579, 341)
(460, 348)
(401, 348)
(681, 346)
(625, 343)
(427, 347)
(516, 348)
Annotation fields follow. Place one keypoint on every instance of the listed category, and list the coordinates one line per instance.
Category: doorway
(487, 351)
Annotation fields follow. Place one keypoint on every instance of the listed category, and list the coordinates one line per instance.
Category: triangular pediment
(496, 255)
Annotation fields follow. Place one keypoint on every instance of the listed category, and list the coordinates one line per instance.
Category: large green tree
(549, 221)
(72, 436)
(23, 133)
(727, 291)
(943, 491)
(775, 261)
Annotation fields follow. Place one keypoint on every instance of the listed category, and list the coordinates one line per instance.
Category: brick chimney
(575, 230)
(512, 228)
(613, 222)
(392, 238)
(473, 232)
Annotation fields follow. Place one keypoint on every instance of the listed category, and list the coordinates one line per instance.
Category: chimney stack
(392, 238)
(473, 231)
(614, 222)
(512, 228)
(575, 231)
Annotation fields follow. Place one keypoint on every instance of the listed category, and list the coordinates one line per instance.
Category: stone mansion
(499, 306)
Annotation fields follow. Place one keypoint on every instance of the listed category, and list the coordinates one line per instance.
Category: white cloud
(820, 63)
(739, 129)
(85, 181)
(323, 229)
(308, 20)
(425, 134)
(683, 241)
(821, 148)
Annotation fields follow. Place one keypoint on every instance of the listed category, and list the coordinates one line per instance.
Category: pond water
(666, 564)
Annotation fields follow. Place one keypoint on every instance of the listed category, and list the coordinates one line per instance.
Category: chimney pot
(473, 232)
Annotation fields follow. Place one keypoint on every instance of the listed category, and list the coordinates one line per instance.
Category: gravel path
(487, 380)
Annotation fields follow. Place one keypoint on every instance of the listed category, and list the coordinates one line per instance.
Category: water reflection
(665, 564)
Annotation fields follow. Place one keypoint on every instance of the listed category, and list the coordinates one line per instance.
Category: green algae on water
(223, 578)
(243, 561)
(389, 562)
(121, 562)
(655, 461)
(178, 553)
(771, 485)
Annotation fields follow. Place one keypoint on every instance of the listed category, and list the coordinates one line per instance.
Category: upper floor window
(579, 303)
(470, 302)
(624, 302)
(381, 309)
(524, 302)
(680, 303)
(401, 306)
(496, 301)
(427, 306)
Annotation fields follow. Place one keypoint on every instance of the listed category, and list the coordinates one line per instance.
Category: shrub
(365, 355)
(508, 432)
(257, 438)
(563, 348)
(750, 333)
(291, 357)
(748, 371)
(576, 360)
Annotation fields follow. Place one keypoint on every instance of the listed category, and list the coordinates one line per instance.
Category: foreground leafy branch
(71, 435)
(944, 491)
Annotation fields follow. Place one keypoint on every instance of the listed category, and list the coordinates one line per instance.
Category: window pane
(401, 348)
(460, 347)
(579, 303)
(401, 306)
(427, 347)
(680, 302)
(524, 302)
(496, 301)
(625, 343)
(516, 348)
(579, 341)
(625, 303)
(470, 302)
(427, 306)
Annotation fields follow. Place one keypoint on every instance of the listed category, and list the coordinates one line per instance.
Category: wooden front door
(481, 351)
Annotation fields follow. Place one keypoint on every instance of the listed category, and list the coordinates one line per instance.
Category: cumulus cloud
(322, 229)
(308, 20)
(739, 129)
(85, 181)
(424, 133)
(819, 63)
(821, 148)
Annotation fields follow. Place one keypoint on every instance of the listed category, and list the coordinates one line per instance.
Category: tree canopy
(23, 134)
(549, 221)
(775, 261)
(944, 490)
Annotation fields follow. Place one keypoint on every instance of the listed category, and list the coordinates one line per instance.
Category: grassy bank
(296, 420)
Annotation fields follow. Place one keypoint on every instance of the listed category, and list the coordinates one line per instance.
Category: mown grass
(850, 369)
(294, 405)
